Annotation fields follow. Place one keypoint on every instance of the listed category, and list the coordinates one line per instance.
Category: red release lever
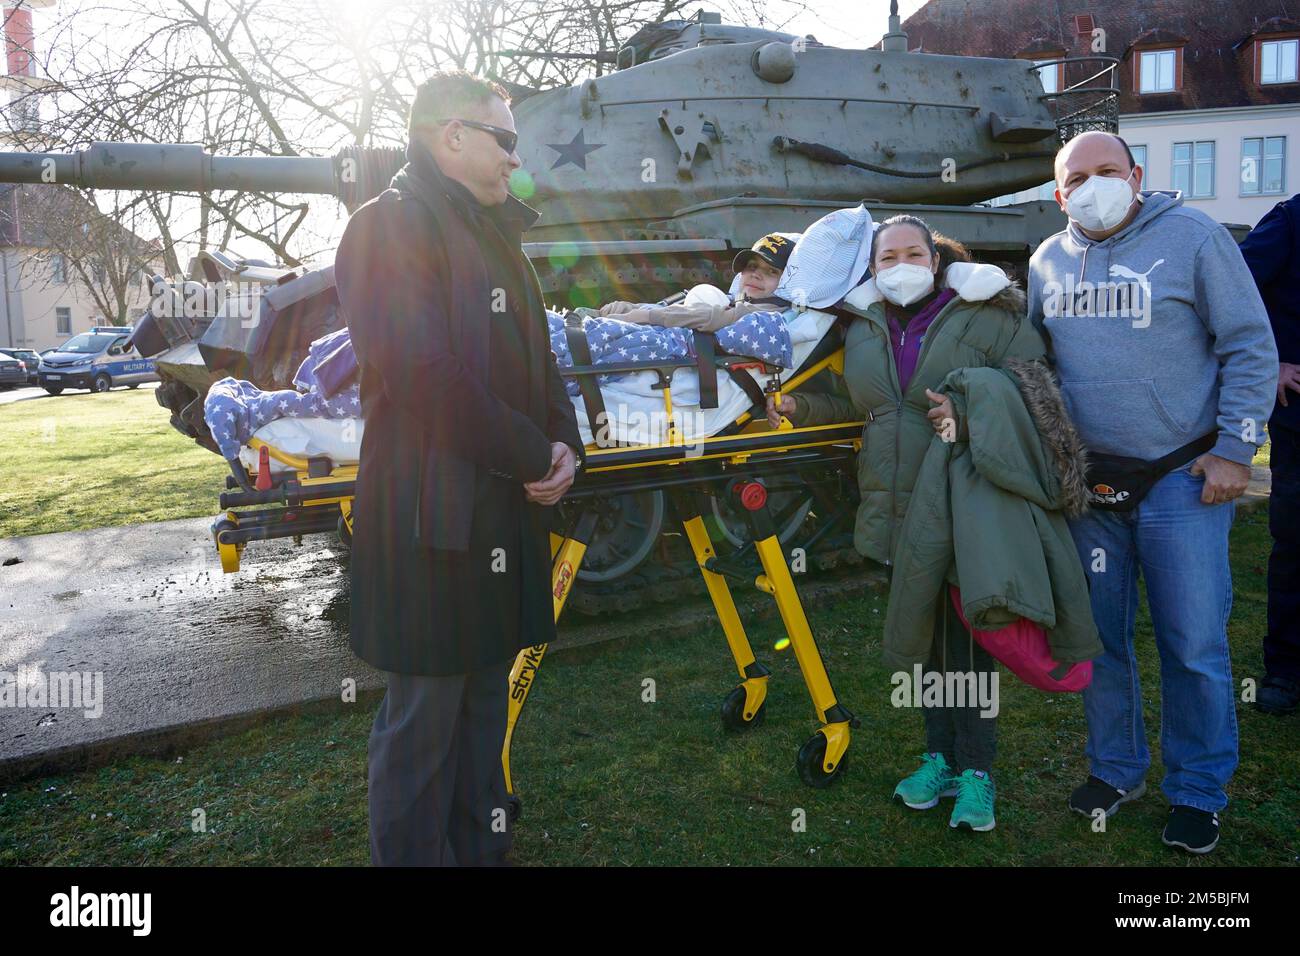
(263, 469)
(752, 495)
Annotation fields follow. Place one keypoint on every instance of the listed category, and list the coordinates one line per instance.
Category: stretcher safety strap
(588, 385)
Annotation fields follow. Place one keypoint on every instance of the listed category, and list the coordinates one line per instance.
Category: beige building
(44, 301)
(1208, 92)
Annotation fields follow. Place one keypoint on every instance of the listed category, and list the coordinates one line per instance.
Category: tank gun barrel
(353, 175)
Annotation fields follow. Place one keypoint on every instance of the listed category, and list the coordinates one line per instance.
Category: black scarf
(422, 178)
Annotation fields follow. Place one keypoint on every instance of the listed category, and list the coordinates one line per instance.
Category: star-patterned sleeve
(235, 410)
(760, 335)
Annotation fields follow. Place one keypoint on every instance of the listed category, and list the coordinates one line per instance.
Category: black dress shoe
(1278, 695)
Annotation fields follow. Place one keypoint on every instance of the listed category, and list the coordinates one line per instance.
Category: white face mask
(905, 283)
(1101, 203)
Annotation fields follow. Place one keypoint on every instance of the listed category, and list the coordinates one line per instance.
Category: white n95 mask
(1101, 203)
(905, 283)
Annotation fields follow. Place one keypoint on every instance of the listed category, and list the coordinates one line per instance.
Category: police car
(97, 360)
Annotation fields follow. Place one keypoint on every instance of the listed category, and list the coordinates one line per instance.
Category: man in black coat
(469, 439)
(1272, 250)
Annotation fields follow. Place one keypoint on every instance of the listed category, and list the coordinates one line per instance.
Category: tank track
(649, 277)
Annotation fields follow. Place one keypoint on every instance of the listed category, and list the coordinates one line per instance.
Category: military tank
(704, 137)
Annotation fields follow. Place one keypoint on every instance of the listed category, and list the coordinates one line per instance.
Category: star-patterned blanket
(235, 409)
(760, 335)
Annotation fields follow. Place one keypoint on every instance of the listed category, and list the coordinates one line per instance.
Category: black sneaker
(1097, 795)
(1196, 831)
(1277, 695)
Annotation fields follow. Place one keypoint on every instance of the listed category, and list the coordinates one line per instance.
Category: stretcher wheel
(809, 763)
(515, 807)
(229, 553)
(627, 527)
(733, 711)
(345, 533)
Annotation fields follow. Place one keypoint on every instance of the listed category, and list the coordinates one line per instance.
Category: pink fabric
(1022, 646)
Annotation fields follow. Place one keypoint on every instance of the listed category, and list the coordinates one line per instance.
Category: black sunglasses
(507, 139)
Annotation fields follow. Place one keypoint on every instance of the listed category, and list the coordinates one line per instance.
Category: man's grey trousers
(437, 788)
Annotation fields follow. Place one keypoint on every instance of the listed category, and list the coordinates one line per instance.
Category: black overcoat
(461, 399)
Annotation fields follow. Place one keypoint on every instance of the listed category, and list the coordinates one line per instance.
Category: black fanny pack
(1116, 483)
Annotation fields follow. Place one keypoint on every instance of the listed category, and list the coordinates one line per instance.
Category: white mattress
(337, 438)
(636, 410)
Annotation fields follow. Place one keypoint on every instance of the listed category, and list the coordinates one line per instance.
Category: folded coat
(988, 514)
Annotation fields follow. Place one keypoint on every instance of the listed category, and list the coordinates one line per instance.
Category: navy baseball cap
(774, 249)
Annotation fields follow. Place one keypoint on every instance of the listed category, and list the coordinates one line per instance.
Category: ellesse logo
(1106, 495)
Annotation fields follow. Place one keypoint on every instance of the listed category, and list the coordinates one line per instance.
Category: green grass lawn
(80, 461)
(609, 779)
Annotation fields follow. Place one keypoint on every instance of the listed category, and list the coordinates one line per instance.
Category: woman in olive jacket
(925, 311)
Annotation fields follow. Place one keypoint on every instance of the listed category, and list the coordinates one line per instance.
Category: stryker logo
(519, 689)
(1106, 495)
(562, 581)
(103, 909)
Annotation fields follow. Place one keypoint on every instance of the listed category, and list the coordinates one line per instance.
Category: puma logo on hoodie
(1197, 354)
(1129, 298)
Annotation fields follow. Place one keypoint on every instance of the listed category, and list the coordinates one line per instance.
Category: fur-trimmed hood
(972, 281)
(1043, 400)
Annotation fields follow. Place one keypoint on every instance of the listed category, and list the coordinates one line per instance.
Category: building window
(63, 318)
(59, 269)
(1277, 61)
(1263, 162)
(1157, 71)
(1194, 169)
(1050, 76)
(1140, 159)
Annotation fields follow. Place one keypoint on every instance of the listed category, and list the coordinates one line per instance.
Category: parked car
(13, 372)
(97, 360)
(31, 362)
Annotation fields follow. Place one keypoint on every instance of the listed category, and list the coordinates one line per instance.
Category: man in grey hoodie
(1159, 339)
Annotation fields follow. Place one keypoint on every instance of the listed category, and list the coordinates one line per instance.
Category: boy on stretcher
(754, 325)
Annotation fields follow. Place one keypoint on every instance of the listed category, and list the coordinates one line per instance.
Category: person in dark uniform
(469, 441)
(1272, 250)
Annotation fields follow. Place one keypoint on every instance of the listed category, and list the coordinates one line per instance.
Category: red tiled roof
(1216, 37)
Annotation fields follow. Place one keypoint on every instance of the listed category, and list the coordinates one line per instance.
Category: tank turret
(704, 137)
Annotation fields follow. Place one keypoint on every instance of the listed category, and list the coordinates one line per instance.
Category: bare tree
(97, 251)
(247, 77)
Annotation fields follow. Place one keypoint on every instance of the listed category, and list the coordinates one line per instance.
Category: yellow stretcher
(312, 495)
(733, 464)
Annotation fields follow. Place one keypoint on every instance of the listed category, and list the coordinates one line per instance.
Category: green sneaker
(922, 790)
(974, 807)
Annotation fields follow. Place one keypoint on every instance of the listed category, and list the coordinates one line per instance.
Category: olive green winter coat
(988, 515)
(985, 325)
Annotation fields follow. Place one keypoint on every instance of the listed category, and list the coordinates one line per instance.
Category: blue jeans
(1180, 547)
